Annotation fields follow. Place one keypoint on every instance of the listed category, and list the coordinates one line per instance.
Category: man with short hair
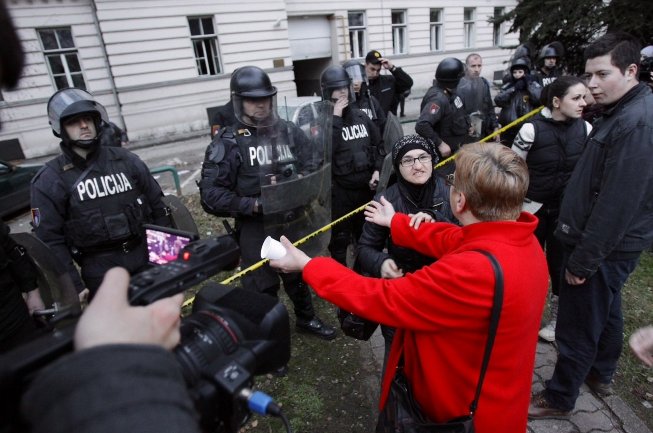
(474, 90)
(605, 222)
(387, 89)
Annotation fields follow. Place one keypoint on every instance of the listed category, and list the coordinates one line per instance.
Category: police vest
(265, 154)
(552, 157)
(353, 151)
(104, 207)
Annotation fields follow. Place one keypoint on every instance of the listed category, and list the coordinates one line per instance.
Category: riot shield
(55, 284)
(295, 175)
(392, 133)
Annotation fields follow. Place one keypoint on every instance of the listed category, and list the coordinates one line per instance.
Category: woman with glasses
(551, 144)
(416, 190)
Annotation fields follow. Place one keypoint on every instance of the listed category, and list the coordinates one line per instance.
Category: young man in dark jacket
(606, 221)
(387, 89)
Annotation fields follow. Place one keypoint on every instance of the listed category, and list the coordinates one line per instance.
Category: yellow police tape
(327, 227)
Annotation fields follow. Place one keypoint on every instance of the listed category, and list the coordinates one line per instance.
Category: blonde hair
(494, 180)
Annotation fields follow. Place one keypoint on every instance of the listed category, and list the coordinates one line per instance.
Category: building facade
(157, 65)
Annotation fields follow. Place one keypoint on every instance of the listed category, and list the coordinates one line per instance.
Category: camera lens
(205, 337)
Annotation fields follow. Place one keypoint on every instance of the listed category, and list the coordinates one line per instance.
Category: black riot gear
(554, 49)
(449, 72)
(72, 102)
(334, 77)
(520, 63)
(252, 83)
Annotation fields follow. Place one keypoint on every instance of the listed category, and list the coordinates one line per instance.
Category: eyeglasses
(409, 162)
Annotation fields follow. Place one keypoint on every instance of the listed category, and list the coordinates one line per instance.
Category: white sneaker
(548, 333)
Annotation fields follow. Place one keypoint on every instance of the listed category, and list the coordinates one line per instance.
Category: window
(399, 32)
(437, 43)
(205, 45)
(357, 45)
(468, 21)
(62, 58)
(498, 27)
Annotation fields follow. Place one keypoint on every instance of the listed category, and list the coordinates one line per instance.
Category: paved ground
(592, 414)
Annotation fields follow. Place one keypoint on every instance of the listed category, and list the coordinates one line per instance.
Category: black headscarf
(420, 195)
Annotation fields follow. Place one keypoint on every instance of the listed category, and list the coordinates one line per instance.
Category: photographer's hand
(109, 319)
(294, 260)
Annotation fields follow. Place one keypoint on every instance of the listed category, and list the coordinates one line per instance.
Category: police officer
(89, 203)
(231, 183)
(550, 68)
(357, 158)
(362, 98)
(387, 89)
(442, 116)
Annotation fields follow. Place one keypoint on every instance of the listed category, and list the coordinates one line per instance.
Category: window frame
(62, 54)
(436, 30)
(212, 61)
(469, 28)
(399, 32)
(497, 28)
(357, 35)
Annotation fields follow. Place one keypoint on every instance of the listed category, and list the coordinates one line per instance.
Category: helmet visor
(70, 102)
(256, 112)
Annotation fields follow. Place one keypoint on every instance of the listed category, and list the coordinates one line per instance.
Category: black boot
(316, 327)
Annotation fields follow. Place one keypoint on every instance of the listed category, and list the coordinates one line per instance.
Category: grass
(634, 381)
(333, 386)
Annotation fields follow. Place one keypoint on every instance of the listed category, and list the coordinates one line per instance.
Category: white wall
(153, 82)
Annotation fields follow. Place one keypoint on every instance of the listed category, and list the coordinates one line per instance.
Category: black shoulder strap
(494, 323)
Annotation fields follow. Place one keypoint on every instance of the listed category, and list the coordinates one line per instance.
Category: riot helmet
(520, 63)
(554, 49)
(358, 76)
(333, 78)
(449, 72)
(72, 102)
(254, 97)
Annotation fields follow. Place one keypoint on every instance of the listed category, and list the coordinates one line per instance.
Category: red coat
(442, 314)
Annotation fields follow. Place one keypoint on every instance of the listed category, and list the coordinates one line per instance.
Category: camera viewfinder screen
(164, 247)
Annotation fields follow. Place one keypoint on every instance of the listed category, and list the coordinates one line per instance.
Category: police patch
(36, 217)
(434, 108)
(458, 102)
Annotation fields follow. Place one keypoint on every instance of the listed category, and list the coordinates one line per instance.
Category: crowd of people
(416, 270)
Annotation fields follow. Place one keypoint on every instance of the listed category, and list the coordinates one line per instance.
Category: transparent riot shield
(392, 133)
(295, 174)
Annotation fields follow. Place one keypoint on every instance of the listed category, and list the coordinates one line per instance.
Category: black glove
(520, 84)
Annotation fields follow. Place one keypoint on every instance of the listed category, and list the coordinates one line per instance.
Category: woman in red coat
(442, 311)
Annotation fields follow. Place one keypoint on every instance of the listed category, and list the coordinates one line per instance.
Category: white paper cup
(272, 249)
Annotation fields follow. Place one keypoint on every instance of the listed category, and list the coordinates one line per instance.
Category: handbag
(402, 413)
(355, 326)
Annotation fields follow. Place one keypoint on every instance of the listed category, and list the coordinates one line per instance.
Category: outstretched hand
(380, 213)
(109, 319)
(419, 218)
(294, 260)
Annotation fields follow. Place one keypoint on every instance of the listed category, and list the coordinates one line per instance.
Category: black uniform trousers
(251, 235)
(95, 265)
(343, 201)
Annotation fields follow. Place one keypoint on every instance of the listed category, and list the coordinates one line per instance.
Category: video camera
(231, 335)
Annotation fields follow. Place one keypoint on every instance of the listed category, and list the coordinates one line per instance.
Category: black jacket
(387, 88)
(553, 148)
(443, 118)
(375, 239)
(113, 388)
(115, 190)
(17, 276)
(607, 208)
